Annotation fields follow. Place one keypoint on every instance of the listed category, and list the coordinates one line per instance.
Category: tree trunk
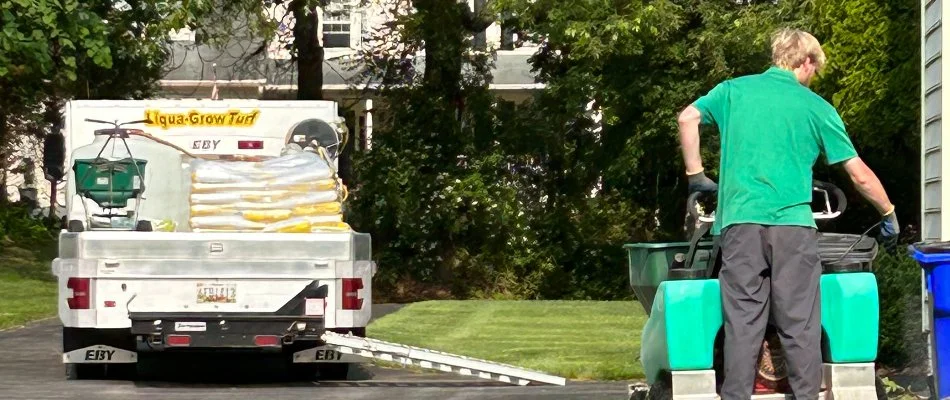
(442, 34)
(445, 26)
(309, 49)
(4, 138)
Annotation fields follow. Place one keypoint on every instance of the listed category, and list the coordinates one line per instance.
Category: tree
(873, 79)
(56, 50)
(309, 46)
(637, 63)
(43, 44)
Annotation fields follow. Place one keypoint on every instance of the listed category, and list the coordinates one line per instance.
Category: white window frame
(351, 19)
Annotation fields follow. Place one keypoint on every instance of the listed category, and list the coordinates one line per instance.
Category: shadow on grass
(28, 260)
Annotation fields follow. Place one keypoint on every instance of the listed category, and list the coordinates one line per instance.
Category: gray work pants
(771, 271)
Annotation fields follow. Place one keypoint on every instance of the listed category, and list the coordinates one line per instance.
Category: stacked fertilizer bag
(297, 192)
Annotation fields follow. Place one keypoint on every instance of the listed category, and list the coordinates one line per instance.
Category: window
(341, 25)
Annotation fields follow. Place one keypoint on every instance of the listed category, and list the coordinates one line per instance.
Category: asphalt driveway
(31, 368)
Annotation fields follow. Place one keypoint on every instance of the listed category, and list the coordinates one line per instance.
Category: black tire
(319, 371)
(662, 389)
(334, 371)
(302, 371)
(122, 372)
(101, 372)
(85, 371)
(75, 226)
(143, 226)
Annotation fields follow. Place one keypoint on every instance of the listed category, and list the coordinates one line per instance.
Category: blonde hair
(791, 47)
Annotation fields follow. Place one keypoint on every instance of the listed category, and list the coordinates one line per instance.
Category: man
(773, 129)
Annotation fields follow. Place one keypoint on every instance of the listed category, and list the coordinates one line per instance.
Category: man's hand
(890, 230)
(699, 182)
(889, 225)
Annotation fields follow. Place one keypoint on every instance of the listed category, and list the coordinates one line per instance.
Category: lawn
(27, 287)
(583, 340)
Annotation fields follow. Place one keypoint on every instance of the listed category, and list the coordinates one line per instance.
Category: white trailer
(125, 292)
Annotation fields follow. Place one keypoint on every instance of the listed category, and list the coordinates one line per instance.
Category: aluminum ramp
(431, 359)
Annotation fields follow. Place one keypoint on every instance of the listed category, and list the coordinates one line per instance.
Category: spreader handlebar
(841, 202)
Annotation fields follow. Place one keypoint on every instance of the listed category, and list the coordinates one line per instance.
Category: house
(201, 71)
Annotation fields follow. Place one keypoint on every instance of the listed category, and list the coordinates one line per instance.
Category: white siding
(934, 165)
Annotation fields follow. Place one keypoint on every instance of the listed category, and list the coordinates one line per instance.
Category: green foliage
(901, 342)
(27, 243)
(27, 246)
(873, 78)
(55, 50)
(18, 226)
(495, 199)
(444, 218)
(41, 39)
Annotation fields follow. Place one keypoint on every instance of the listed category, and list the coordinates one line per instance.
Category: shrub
(901, 342)
(18, 226)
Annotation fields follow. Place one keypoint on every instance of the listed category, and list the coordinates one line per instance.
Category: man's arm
(838, 148)
(706, 109)
(867, 183)
(689, 120)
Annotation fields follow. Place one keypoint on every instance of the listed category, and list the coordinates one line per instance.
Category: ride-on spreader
(682, 344)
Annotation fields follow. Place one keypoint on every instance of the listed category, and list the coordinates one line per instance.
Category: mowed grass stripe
(583, 340)
(24, 300)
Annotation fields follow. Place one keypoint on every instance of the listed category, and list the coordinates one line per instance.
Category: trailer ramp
(431, 359)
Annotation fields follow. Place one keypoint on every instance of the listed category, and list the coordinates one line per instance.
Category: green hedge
(901, 342)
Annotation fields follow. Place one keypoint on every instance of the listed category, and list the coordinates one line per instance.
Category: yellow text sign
(235, 118)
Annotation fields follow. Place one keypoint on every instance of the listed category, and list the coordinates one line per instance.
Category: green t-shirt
(772, 131)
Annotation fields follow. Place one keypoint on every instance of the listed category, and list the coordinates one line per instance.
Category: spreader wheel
(662, 389)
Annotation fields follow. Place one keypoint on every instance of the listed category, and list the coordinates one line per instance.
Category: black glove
(699, 182)
(890, 230)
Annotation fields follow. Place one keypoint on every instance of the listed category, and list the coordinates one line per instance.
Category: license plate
(217, 293)
(190, 327)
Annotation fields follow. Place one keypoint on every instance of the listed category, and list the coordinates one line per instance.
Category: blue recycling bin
(934, 259)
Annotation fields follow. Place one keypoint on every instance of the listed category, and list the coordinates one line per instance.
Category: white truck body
(201, 127)
(125, 292)
(211, 127)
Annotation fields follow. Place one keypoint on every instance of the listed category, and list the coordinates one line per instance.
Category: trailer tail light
(178, 340)
(80, 298)
(266, 340)
(351, 296)
(250, 144)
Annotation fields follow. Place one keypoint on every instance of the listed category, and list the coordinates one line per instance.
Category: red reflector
(351, 297)
(110, 303)
(80, 298)
(266, 340)
(250, 144)
(178, 340)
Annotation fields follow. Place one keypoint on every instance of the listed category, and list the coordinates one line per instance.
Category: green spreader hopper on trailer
(109, 183)
(110, 177)
(678, 286)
